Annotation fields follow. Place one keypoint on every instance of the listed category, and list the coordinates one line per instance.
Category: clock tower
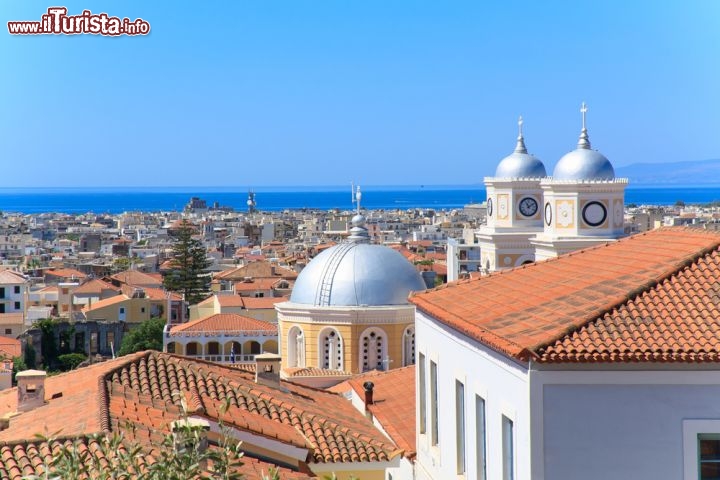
(583, 202)
(514, 209)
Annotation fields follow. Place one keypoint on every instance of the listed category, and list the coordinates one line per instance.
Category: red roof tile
(93, 287)
(596, 304)
(393, 402)
(224, 322)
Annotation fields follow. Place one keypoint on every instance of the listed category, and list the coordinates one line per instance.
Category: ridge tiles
(522, 311)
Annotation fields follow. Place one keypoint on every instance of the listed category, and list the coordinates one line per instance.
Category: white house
(603, 363)
(12, 292)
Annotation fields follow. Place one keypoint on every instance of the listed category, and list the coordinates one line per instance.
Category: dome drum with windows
(348, 310)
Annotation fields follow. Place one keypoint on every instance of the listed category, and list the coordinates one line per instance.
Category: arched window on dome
(331, 349)
(373, 349)
(296, 347)
(409, 346)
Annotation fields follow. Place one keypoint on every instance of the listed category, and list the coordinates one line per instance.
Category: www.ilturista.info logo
(57, 21)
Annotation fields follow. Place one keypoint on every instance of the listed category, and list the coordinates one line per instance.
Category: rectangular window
(423, 393)
(2, 292)
(709, 456)
(17, 305)
(460, 426)
(8, 331)
(507, 449)
(480, 454)
(142, 310)
(122, 310)
(17, 288)
(433, 404)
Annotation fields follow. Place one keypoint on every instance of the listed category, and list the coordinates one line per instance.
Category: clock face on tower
(548, 214)
(594, 214)
(528, 206)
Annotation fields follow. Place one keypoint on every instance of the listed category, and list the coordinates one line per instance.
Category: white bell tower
(514, 209)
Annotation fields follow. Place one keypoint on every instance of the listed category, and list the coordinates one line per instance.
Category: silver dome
(520, 165)
(584, 164)
(357, 274)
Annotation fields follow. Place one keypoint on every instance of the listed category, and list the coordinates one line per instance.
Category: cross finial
(520, 124)
(583, 110)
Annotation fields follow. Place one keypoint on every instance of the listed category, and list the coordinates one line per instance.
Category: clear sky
(321, 92)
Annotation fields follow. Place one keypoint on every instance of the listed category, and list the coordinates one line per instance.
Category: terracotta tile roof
(229, 300)
(257, 284)
(106, 303)
(224, 322)
(134, 277)
(262, 303)
(24, 459)
(260, 269)
(76, 410)
(393, 402)
(137, 394)
(314, 372)
(648, 297)
(337, 432)
(10, 347)
(249, 303)
(93, 287)
(10, 277)
(677, 320)
(160, 294)
(66, 273)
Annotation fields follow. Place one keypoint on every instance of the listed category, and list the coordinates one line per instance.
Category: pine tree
(189, 264)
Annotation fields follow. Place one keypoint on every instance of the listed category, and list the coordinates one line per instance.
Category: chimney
(368, 387)
(190, 434)
(31, 389)
(267, 369)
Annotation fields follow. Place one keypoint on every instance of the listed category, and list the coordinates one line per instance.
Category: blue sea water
(118, 200)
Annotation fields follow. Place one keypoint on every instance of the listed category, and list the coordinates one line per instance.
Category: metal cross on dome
(520, 124)
(583, 110)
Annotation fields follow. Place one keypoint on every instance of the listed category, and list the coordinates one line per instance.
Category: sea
(115, 200)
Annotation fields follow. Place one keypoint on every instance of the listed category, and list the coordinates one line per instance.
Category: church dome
(520, 164)
(357, 274)
(583, 163)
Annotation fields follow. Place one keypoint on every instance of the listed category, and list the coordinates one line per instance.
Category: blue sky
(323, 92)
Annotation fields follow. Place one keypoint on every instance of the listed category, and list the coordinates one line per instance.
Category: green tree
(70, 361)
(146, 336)
(190, 262)
(48, 344)
(29, 356)
(19, 365)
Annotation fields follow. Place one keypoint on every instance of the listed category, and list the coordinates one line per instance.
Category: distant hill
(704, 172)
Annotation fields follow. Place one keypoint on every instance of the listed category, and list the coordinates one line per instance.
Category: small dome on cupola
(583, 163)
(520, 164)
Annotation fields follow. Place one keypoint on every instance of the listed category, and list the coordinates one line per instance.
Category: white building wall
(601, 425)
(501, 382)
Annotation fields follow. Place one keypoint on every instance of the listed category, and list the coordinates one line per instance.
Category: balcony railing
(244, 358)
(224, 334)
